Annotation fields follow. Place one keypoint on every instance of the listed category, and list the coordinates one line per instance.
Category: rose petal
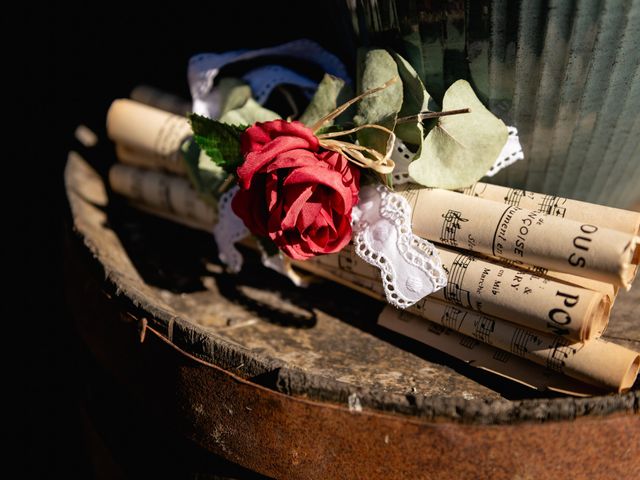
(271, 190)
(253, 138)
(342, 237)
(350, 173)
(254, 161)
(250, 207)
(291, 244)
(294, 159)
(328, 220)
(256, 136)
(331, 179)
(296, 198)
(277, 128)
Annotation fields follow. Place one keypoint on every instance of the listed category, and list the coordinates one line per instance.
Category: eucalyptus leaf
(382, 107)
(459, 149)
(412, 47)
(415, 99)
(250, 113)
(220, 141)
(332, 92)
(233, 92)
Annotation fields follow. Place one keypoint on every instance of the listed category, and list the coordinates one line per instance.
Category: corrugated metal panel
(565, 72)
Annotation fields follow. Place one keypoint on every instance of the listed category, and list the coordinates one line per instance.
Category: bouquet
(379, 189)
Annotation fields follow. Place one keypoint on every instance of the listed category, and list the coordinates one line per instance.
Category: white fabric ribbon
(410, 266)
(205, 67)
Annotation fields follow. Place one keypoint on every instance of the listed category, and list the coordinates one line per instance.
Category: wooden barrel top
(302, 383)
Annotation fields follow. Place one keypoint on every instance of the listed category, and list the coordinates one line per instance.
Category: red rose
(294, 192)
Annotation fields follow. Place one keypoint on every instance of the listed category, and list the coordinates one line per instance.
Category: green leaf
(332, 92)
(415, 99)
(459, 149)
(250, 113)
(382, 107)
(221, 142)
(206, 177)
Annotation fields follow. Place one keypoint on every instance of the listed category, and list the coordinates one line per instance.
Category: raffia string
(362, 156)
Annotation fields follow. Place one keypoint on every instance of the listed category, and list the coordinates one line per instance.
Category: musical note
(550, 206)
(346, 259)
(450, 227)
(437, 329)
(469, 342)
(476, 190)
(501, 356)
(483, 327)
(560, 351)
(453, 317)
(521, 340)
(514, 196)
(453, 292)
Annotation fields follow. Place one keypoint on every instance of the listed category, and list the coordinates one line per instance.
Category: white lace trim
(229, 230)
(510, 154)
(410, 266)
(402, 157)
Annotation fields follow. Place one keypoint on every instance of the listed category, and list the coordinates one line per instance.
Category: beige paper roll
(597, 362)
(524, 298)
(513, 233)
(162, 192)
(589, 283)
(144, 159)
(150, 131)
(608, 217)
(481, 355)
(491, 288)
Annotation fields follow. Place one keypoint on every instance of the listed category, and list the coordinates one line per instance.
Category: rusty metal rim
(288, 437)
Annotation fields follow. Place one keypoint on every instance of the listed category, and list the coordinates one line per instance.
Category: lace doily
(229, 230)
(510, 154)
(410, 266)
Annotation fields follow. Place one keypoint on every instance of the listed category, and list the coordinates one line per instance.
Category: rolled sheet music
(607, 217)
(589, 283)
(484, 356)
(513, 233)
(144, 159)
(596, 362)
(149, 132)
(495, 289)
(163, 193)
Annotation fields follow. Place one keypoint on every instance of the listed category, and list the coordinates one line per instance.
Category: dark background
(85, 57)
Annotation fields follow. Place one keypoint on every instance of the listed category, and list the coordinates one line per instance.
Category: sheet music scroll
(513, 233)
